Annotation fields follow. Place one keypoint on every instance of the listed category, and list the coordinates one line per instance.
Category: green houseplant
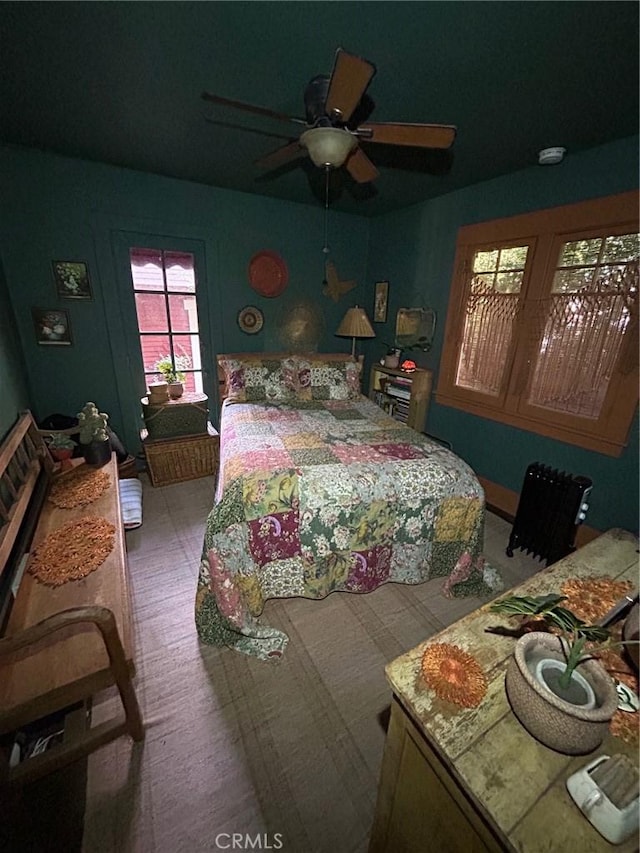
(575, 633)
(172, 371)
(94, 437)
(557, 690)
(60, 446)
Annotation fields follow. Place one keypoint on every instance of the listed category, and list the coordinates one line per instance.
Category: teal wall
(56, 208)
(62, 209)
(414, 249)
(14, 396)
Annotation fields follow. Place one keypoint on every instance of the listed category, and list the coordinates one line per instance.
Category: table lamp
(355, 324)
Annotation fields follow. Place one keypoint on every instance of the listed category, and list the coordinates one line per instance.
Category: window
(164, 287)
(542, 327)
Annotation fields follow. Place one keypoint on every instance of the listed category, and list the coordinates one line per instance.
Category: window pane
(509, 282)
(180, 272)
(193, 382)
(146, 269)
(625, 247)
(154, 347)
(183, 312)
(569, 281)
(188, 347)
(488, 330)
(151, 309)
(485, 261)
(582, 339)
(580, 252)
(513, 258)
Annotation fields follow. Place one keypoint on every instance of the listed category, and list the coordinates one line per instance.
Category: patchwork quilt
(325, 495)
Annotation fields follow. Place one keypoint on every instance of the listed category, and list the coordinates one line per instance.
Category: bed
(320, 491)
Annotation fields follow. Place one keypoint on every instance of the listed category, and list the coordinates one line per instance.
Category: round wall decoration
(250, 320)
(268, 274)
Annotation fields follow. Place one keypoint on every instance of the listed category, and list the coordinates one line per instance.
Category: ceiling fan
(337, 129)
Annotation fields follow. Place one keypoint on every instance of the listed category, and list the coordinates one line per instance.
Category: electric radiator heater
(552, 504)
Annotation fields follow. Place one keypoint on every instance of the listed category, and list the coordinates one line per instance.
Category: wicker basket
(175, 460)
(186, 416)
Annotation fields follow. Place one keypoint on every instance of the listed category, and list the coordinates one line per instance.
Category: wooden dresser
(457, 780)
(63, 644)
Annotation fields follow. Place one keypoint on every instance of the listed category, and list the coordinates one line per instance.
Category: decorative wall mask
(334, 288)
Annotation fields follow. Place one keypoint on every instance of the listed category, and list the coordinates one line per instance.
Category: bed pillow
(330, 380)
(260, 378)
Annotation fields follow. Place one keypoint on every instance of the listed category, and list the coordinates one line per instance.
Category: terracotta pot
(176, 389)
(61, 453)
(558, 724)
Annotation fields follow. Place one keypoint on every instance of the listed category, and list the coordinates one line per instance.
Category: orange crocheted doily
(73, 551)
(591, 598)
(79, 487)
(454, 675)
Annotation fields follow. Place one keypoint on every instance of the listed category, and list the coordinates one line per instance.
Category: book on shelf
(397, 391)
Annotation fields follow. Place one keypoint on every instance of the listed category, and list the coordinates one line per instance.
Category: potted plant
(560, 694)
(172, 371)
(94, 438)
(60, 446)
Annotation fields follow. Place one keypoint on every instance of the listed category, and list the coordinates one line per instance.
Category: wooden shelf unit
(421, 381)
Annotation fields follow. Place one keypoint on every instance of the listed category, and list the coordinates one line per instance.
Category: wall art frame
(72, 280)
(52, 326)
(380, 301)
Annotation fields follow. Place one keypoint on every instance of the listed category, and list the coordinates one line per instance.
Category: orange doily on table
(79, 487)
(590, 599)
(73, 551)
(454, 675)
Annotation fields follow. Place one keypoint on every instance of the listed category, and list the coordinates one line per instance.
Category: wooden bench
(63, 644)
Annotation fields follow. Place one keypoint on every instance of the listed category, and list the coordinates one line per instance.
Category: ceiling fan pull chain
(325, 248)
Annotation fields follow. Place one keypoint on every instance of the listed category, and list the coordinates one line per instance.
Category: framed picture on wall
(380, 302)
(72, 279)
(51, 326)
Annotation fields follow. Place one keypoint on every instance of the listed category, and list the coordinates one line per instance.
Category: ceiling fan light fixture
(328, 146)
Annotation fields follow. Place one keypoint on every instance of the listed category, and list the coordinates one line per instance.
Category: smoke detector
(550, 156)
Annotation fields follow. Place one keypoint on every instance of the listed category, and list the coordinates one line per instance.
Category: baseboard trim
(504, 502)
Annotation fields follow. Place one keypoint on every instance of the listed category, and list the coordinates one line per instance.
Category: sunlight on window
(164, 286)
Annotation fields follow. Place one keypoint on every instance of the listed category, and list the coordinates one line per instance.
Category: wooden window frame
(170, 333)
(544, 231)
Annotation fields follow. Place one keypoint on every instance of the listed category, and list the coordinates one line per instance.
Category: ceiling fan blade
(231, 126)
(428, 161)
(349, 79)
(416, 135)
(250, 108)
(281, 155)
(360, 167)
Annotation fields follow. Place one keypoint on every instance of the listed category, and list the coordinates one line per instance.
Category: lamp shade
(355, 324)
(328, 146)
